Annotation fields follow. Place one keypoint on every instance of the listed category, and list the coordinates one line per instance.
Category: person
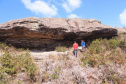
(83, 45)
(75, 46)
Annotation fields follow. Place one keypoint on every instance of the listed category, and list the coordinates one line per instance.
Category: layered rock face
(42, 32)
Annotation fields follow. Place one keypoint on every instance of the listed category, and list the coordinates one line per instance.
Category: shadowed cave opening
(48, 39)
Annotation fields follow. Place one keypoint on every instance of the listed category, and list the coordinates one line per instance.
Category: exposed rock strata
(40, 32)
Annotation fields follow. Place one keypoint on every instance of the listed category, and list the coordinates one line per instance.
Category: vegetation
(56, 73)
(61, 49)
(3, 45)
(100, 52)
(104, 52)
(11, 64)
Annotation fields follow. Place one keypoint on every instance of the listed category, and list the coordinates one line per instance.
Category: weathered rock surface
(40, 32)
(121, 30)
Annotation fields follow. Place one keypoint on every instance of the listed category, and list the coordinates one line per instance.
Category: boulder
(42, 32)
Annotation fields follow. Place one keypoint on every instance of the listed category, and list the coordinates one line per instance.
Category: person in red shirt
(75, 46)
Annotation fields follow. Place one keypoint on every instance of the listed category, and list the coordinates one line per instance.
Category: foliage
(113, 78)
(115, 56)
(3, 78)
(3, 46)
(123, 45)
(60, 49)
(8, 63)
(101, 45)
(45, 77)
(102, 51)
(95, 46)
(88, 61)
(12, 64)
(112, 44)
(56, 73)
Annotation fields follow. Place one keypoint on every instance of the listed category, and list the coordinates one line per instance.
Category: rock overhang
(39, 32)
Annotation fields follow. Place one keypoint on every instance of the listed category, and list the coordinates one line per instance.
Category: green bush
(112, 44)
(8, 65)
(101, 45)
(95, 47)
(3, 46)
(13, 64)
(115, 56)
(88, 60)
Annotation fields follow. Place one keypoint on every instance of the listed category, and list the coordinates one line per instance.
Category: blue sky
(109, 12)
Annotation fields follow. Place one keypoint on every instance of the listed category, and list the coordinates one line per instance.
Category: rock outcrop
(43, 32)
(121, 30)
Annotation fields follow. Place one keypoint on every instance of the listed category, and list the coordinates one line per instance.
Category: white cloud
(70, 5)
(73, 16)
(123, 17)
(40, 7)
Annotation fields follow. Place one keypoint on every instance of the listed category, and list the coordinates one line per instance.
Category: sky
(109, 12)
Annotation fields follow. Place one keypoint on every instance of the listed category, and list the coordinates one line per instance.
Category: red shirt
(75, 45)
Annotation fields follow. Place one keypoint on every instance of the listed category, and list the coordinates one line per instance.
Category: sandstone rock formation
(121, 30)
(43, 32)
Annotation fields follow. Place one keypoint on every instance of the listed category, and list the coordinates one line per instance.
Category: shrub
(60, 49)
(115, 56)
(13, 64)
(27, 63)
(8, 65)
(3, 45)
(101, 45)
(3, 78)
(112, 44)
(56, 71)
(112, 78)
(95, 47)
(123, 45)
(45, 77)
(88, 60)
